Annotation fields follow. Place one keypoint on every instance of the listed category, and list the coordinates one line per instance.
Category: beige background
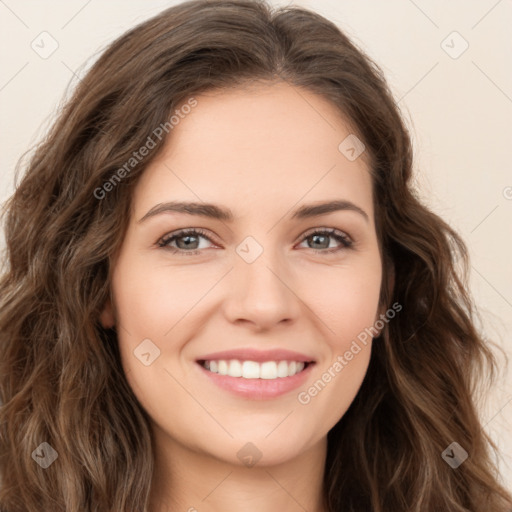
(458, 105)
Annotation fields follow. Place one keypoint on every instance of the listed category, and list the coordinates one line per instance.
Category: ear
(107, 315)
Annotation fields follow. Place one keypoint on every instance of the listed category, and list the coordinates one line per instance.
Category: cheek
(150, 300)
(161, 304)
(335, 387)
(346, 301)
(348, 312)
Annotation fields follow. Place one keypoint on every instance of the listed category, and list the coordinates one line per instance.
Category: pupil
(315, 237)
(187, 238)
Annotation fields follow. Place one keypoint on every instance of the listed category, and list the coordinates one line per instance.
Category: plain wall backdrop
(448, 65)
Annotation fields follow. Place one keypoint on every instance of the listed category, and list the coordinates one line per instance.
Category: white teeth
(253, 370)
(223, 368)
(268, 370)
(235, 368)
(250, 370)
(282, 369)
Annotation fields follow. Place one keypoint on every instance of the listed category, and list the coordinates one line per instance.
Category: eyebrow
(214, 211)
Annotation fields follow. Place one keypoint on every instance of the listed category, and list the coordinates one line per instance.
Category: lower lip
(258, 389)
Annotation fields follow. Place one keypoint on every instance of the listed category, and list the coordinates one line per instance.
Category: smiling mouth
(268, 370)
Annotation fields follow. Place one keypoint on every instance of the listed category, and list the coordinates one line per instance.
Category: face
(267, 285)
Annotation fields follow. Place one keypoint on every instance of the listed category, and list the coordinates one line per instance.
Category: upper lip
(249, 354)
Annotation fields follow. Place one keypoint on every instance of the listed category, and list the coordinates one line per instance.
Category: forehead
(263, 146)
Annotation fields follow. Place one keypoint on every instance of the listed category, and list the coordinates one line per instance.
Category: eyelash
(164, 242)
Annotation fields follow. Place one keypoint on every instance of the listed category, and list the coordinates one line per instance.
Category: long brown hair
(61, 381)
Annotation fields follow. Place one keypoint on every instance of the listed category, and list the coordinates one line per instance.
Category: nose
(261, 293)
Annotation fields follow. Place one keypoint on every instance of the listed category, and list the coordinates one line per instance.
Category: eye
(320, 236)
(187, 241)
(190, 238)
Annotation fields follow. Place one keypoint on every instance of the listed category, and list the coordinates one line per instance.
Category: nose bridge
(259, 290)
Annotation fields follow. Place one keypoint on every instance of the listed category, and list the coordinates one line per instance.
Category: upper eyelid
(184, 231)
(331, 231)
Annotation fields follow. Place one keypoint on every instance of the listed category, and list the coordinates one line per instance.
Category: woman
(256, 370)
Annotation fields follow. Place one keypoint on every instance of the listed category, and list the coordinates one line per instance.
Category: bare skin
(261, 152)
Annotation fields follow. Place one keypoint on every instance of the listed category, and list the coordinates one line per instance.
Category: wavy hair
(61, 379)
